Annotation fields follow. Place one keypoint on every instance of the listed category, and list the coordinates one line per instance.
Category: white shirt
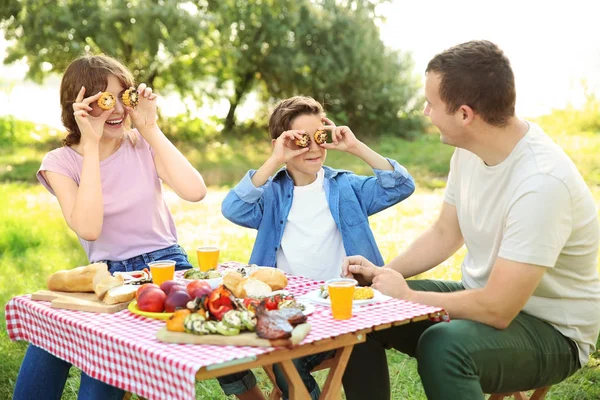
(311, 245)
(535, 208)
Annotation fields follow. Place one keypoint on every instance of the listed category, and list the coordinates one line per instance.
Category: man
(527, 311)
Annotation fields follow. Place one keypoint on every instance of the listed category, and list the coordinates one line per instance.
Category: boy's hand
(342, 138)
(284, 148)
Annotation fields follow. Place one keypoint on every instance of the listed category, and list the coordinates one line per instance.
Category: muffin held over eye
(321, 136)
(303, 142)
(107, 101)
(130, 97)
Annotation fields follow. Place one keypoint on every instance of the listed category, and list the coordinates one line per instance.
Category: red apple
(152, 300)
(198, 288)
(176, 299)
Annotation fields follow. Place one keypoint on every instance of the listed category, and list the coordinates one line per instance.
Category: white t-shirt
(534, 208)
(311, 244)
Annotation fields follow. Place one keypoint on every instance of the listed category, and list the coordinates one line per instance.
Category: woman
(107, 179)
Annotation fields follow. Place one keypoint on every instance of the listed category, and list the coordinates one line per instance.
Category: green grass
(35, 241)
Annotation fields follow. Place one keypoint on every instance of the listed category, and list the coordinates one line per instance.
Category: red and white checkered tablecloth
(121, 348)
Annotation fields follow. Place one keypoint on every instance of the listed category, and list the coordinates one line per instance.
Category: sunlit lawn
(35, 241)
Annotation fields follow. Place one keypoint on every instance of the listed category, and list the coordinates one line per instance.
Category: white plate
(308, 307)
(313, 296)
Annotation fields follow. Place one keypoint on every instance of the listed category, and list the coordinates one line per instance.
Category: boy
(309, 216)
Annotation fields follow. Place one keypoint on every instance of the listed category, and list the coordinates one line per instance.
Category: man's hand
(391, 283)
(359, 268)
(285, 149)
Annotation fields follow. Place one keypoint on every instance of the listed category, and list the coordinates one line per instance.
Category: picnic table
(121, 348)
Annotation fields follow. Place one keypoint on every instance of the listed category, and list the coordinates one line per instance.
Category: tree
(160, 41)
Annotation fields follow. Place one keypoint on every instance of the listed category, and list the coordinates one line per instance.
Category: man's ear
(467, 114)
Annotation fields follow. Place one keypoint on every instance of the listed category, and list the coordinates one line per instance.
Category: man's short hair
(477, 74)
(287, 110)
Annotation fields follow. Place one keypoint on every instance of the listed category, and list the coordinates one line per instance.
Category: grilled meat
(277, 324)
(270, 325)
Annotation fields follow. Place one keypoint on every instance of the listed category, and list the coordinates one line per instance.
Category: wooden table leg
(333, 385)
(297, 390)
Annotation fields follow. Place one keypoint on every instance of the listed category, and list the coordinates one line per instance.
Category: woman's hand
(342, 137)
(144, 115)
(285, 149)
(91, 127)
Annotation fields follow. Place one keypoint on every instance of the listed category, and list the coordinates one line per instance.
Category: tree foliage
(226, 49)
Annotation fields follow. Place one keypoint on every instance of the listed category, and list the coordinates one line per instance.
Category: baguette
(273, 277)
(102, 283)
(80, 279)
(120, 294)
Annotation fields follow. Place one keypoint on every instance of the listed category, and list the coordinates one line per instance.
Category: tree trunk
(240, 91)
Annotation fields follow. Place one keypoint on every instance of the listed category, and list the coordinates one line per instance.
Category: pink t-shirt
(136, 217)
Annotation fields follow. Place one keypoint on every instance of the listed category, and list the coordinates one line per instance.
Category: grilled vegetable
(223, 329)
(177, 320)
(233, 319)
(324, 293)
(249, 320)
(194, 323)
(211, 326)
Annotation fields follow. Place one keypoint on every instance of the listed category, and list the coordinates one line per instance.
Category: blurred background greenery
(233, 52)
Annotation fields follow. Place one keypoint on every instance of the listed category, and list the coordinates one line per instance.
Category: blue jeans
(241, 382)
(138, 263)
(43, 375)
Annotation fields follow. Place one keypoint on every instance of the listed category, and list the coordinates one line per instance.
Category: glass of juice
(163, 270)
(208, 257)
(341, 293)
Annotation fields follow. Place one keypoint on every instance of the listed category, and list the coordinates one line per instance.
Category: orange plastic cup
(208, 257)
(162, 271)
(341, 293)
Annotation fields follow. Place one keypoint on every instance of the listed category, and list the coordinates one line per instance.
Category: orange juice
(162, 271)
(341, 292)
(208, 257)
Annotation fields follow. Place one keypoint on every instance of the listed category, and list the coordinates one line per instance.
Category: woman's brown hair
(92, 72)
(477, 74)
(286, 110)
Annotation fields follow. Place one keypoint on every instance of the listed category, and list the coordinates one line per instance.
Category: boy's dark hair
(477, 74)
(91, 72)
(286, 110)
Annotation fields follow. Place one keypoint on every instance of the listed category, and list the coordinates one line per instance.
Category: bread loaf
(252, 287)
(231, 281)
(273, 277)
(106, 282)
(120, 294)
(80, 279)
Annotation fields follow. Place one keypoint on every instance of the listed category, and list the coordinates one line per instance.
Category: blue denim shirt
(352, 198)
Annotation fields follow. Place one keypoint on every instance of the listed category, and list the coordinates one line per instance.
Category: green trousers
(463, 359)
